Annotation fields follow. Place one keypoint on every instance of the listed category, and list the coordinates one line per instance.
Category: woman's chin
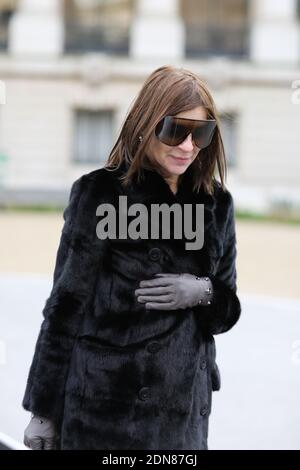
(176, 169)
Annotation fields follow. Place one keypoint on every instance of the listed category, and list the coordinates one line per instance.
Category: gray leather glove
(40, 434)
(169, 291)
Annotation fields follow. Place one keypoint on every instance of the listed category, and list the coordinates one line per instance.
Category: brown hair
(168, 91)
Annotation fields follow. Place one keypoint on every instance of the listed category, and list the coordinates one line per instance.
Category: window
(216, 27)
(97, 25)
(93, 136)
(229, 136)
(7, 8)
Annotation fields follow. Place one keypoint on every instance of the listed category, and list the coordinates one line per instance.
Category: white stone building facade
(69, 71)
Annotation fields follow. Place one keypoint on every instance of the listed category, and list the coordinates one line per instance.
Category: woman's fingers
(40, 434)
(155, 298)
(157, 293)
(160, 281)
(154, 290)
(36, 443)
(49, 444)
(159, 306)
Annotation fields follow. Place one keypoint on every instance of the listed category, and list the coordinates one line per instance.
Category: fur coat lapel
(155, 190)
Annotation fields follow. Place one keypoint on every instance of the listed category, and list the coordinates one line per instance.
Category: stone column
(157, 30)
(37, 28)
(275, 32)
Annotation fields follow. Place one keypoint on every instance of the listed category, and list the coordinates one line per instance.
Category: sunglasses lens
(172, 131)
(203, 134)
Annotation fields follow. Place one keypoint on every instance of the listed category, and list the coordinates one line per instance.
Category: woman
(125, 357)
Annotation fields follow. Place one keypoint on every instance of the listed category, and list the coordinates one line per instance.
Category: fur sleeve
(63, 310)
(225, 308)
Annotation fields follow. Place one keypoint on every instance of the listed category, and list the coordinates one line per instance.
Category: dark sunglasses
(174, 130)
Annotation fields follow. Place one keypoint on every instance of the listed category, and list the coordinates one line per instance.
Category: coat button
(144, 393)
(154, 254)
(153, 347)
(203, 410)
(203, 364)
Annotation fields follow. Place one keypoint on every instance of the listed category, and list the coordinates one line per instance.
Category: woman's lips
(180, 161)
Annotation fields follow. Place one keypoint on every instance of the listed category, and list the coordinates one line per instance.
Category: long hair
(168, 91)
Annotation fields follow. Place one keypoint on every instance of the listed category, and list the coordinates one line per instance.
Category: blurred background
(69, 70)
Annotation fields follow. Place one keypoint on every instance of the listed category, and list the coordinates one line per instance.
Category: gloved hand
(40, 434)
(169, 291)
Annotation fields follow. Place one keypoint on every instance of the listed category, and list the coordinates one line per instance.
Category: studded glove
(169, 291)
(40, 434)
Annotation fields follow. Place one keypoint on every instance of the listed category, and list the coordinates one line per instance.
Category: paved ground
(258, 404)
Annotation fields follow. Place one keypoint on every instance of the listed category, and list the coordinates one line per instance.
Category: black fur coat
(109, 372)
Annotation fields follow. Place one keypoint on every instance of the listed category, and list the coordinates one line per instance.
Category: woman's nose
(187, 144)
